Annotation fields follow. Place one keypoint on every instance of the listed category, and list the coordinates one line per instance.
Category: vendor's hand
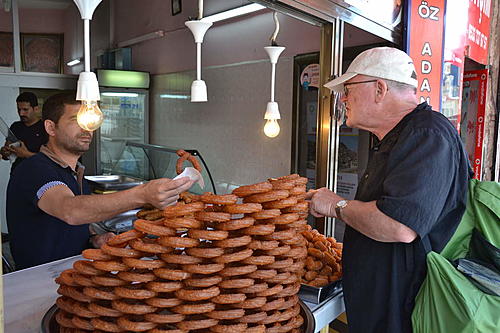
(21, 151)
(5, 152)
(164, 192)
(100, 240)
(322, 202)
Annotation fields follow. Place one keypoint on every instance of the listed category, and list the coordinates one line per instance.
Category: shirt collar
(80, 168)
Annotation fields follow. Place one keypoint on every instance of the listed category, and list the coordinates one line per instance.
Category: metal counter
(29, 293)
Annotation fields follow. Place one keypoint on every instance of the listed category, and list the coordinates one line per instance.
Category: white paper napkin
(193, 174)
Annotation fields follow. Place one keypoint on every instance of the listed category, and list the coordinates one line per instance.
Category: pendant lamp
(272, 128)
(89, 116)
(198, 28)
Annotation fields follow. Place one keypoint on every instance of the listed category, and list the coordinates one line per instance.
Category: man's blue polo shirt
(35, 236)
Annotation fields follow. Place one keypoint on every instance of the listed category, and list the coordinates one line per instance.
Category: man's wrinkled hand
(322, 202)
(21, 151)
(164, 192)
(5, 152)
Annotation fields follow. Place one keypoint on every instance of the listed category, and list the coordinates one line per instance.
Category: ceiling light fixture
(198, 28)
(272, 128)
(247, 9)
(74, 62)
(89, 116)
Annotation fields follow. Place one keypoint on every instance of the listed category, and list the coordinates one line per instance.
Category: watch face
(342, 203)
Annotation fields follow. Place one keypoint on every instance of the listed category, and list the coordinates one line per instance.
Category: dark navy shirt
(35, 236)
(418, 175)
(33, 136)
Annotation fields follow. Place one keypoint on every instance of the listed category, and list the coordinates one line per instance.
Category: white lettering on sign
(425, 99)
(477, 37)
(425, 11)
(427, 49)
(484, 7)
(425, 86)
(426, 67)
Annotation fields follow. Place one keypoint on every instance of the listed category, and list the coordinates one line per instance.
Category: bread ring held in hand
(183, 156)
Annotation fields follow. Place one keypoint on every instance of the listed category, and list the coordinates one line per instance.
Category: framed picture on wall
(6, 49)
(42, 52)
(176, 7)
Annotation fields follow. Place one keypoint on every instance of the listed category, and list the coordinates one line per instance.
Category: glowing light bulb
(89, 116)
(272, 128)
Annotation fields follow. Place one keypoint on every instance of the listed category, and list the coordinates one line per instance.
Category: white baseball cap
(380, 62)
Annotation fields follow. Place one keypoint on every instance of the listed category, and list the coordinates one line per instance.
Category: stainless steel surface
(49, 324)
(114, 182)
(325, 312)
(317, 295)
(117, 224)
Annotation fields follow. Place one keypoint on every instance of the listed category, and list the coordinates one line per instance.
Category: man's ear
(50, 127)
(381, 91)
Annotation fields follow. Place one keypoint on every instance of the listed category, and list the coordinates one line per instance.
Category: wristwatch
(341, 204)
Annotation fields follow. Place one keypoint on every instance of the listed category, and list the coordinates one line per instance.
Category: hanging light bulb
(272, 128)
(89, 116)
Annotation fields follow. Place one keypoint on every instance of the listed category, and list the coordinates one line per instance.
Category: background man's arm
(59, 201)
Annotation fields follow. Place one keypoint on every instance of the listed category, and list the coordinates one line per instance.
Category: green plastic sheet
(447, 301)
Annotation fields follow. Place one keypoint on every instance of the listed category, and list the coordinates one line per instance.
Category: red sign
(473, 106)
(425, 46)
(478, 30)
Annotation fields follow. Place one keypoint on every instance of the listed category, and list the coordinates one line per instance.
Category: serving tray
(317, 295)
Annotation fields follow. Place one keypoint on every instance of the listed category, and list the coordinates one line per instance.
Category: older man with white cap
(410, 198)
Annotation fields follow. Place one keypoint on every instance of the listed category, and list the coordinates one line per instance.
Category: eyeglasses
(346, 91)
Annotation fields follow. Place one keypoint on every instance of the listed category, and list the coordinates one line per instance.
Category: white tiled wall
(228, 129)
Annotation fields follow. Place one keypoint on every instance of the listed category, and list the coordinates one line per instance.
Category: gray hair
(399, 86)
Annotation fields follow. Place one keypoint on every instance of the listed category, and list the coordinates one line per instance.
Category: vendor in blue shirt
(410, 198)
(49, 205)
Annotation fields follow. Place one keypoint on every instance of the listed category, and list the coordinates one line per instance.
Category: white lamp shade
(274, 52)
(88, 88)
(198, 28)
(87, 7)
(198, 91)
(272, 111)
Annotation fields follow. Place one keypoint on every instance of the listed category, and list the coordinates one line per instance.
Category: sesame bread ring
(256, 329)
(205, 252)
(143, 263)
(282, 184)
(163, 302)
(86, 267)
(153, 228)
(279, 264)
(251, 303)
(236, 283)
(267, 196)
(129, 306)
(65, 303)
(96, 254)
(74, 293)
(66, 277)
(298, 189)
(171, 274)
(295, 267)
(135, 324)
(289, 302)
(121, 251)
(273, 305)
(235, 224)
(283, 219)
(229, 298)
(226, 314)
(203, 281)
(183, 222)
(258, 260)
(299, 223)
(259, 230)
(197, 324)
(197, 294)
(281, 235)
(104, 309)
(266, 214)
(291, 280)
(301, 181)
(253, 318)
(279, 251)
(292, 177)
(225, 199)
(246, 190)
(191, 309)
(108, 280)
(83, 280)
(125, 237)
(82, 323)
(290, 290)
(137, 275)
(208, 234)
(301, 206)
(234, 242)
(203, 268)
(244, 208)
(163, 287)
(182, 259)
(164, 318)
(271, 291)
(235, 256)
(149, 246)
(263, 274)
(134, 291)
(256, 288)
(178, 242)
(111, 265)
(183, 156)
(213, 216)
(279, 278)
(237, 270)
(105, 293)
(228, 328)
(106, 324)
(263, 245)
(165, 328)
(183, 209)
(63, 318)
